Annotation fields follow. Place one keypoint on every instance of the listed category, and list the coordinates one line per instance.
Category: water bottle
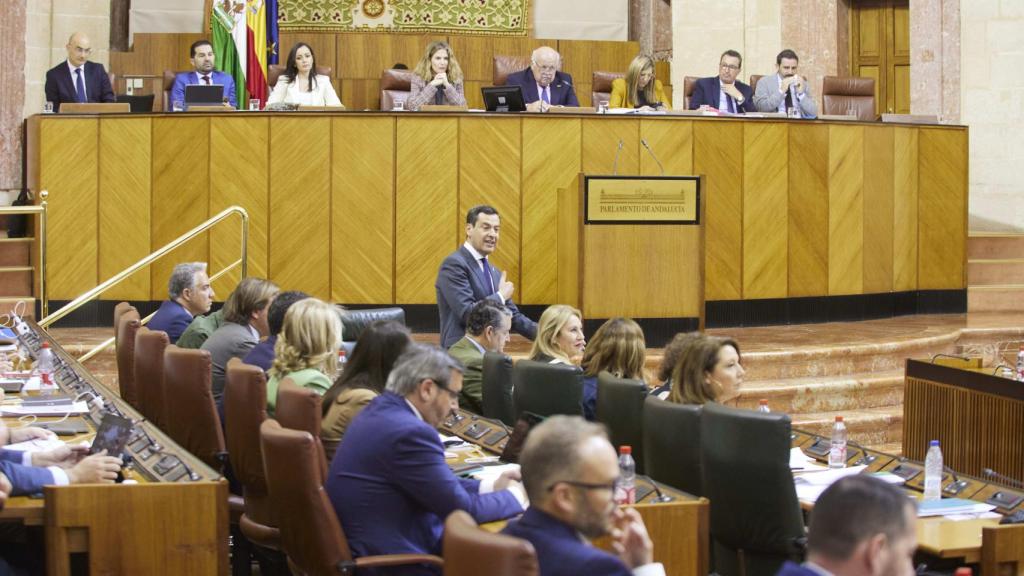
(625, 492)
(837, 452)
(1020, 364)
(44, 366)
(762, 406)
(933, 472)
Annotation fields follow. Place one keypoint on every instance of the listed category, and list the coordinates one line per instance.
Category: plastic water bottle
(837, 452)
(1020, 364)
(44, 366)
(625, 493)
(933, 472)
(762, 406)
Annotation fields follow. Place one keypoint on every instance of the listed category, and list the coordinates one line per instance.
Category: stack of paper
(951, 506)
(798, 461)
(810, 486)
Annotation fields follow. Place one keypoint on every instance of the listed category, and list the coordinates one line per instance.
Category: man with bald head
(76, 79)
(544, 84)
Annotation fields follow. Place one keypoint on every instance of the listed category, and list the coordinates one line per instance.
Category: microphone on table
(651, 152)
(953, 356)
(990, 473)
(659, 498)
(615, 164)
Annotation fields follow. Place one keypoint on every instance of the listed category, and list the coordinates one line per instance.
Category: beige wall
(992, 96)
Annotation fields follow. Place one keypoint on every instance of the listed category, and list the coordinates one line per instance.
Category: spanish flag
(256, 62)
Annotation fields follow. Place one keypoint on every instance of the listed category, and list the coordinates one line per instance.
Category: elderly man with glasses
(389, 481)
(570, 472)
(76, 79)
(724, 92)
(544, 84)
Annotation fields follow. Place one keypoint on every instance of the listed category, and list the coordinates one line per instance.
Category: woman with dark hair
(670, 358)
(300, 84)
(365, 375)
(437, 78)
(618, 347)
(709, 372)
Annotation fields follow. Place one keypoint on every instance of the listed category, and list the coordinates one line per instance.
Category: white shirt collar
(414, 410)
(199, 77)
(72, 68)
(476, 255)
(255, 332)
(817, 569)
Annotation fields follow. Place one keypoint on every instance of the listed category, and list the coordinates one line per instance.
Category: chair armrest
(398, 560)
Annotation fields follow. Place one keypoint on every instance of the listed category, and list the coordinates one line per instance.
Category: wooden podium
(634, 247)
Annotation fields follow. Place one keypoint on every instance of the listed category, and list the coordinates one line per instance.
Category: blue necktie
(488, 277)
(732, 105)
(546, 96)
(79, 86)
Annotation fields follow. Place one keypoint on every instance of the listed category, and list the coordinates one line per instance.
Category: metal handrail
(122, 275)
(41, 210)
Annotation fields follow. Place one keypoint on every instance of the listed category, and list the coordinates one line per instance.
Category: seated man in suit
(76, 79)
(189, 294)
(570, 471)
(724, 92)
(860, 526)
(487, 328)
(785, 90)
(28, 472)
(202, 60)
(389, 481)
(543, 84)
(466, 277)
(262, 354)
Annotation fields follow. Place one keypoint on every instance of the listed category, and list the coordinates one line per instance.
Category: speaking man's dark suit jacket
(24, 479)
(183, 79)
(792, 569)
(60, 85)
(561, 88)
(706, 91)
(560, 552)
(392, 488)
(459, 285)
(172, 318)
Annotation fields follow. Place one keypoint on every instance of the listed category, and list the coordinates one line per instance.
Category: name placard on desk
(641, 200)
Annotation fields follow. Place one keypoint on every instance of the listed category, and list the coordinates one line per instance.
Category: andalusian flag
(256, 69)
(272, 34)
(230, 46)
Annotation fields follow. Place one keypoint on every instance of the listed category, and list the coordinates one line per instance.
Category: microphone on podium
(651, 152)
(615, 164)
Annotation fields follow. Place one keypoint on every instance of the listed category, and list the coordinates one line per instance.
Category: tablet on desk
(112, 436)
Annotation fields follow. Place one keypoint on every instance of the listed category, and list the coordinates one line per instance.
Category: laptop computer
(204, 95)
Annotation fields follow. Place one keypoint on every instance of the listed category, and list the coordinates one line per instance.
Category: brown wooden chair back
(467, 547)
(394, 85)
(689, 83)
(299, 409)
(754, 79)
(119, 309)
(850, 96)
(124, 350)
(505, 65)
(169, 76)
(601, 86)
(149, 373)
(191, 411)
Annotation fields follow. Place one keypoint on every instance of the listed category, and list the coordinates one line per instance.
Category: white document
(72, 409)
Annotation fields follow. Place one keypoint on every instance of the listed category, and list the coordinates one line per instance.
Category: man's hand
(538, 106)
(64, 456)
(731, 90)
(95, 469)
(5, 487)
(799, 82)
(30, 433)
(506, 479)
(630, 540)
(505, 288)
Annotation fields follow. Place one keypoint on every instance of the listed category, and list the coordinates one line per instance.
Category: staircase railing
(161, 252)
(41, 210)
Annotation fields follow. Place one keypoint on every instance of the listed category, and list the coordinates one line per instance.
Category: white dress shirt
(85, 94)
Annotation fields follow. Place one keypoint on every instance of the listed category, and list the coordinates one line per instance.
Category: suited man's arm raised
(808, 107)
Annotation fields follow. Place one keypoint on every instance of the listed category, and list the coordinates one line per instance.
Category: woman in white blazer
(300, 84)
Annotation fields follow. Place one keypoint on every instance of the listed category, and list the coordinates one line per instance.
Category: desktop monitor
(503, 98)
(204, 94)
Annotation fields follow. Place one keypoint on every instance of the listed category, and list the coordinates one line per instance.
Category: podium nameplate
(641, 200)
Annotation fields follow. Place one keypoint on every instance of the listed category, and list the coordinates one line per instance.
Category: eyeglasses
(451, 393)
(545, 68)
(729, 66)
(613, 485)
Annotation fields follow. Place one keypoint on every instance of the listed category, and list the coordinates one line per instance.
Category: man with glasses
(570, 471)
(389, 481)
(724, 92)
(544, 84)
(76, 79)
(487, 330)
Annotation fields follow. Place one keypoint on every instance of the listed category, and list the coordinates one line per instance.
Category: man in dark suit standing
(466, 277)
(570, 471)
(76, 79)
(389, 481)
(543, 84)
(724, 92)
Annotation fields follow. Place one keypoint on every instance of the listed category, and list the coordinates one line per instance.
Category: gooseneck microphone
(615, 164)
(990, 473)
(651, 152)
(659, 496)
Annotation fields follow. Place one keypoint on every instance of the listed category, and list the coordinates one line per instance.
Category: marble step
(816, 394)
(994, 245)
(995, 272)
(1004, 298)
(869, 427)
(15, 251)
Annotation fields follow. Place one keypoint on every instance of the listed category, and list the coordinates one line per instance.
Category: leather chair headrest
(505, 65)
(602, 81)
(849, 86)
(355, 321)
(393, 79)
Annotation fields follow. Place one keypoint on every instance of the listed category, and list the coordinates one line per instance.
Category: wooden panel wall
(362, 209)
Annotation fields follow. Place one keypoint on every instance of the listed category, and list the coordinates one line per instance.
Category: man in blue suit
(201, 56)
(724, 92)
(860, 526)
(466, 277)
(543, 84)
(570, 472)
(189, 294)
(76, 79)
(28, 472)
(389, 481)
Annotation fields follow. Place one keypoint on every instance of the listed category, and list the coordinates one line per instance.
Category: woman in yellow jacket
(639, 89)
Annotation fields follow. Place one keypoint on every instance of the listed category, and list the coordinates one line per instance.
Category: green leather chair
(497, 388)
(620, 407)
(546, 389)
(756, 522)
(672, 444)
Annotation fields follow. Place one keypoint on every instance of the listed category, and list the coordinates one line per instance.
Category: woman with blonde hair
(639, 89)
(710, 371)
(306, 349)
(559, 336)
(437, 78)
(618, 347)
